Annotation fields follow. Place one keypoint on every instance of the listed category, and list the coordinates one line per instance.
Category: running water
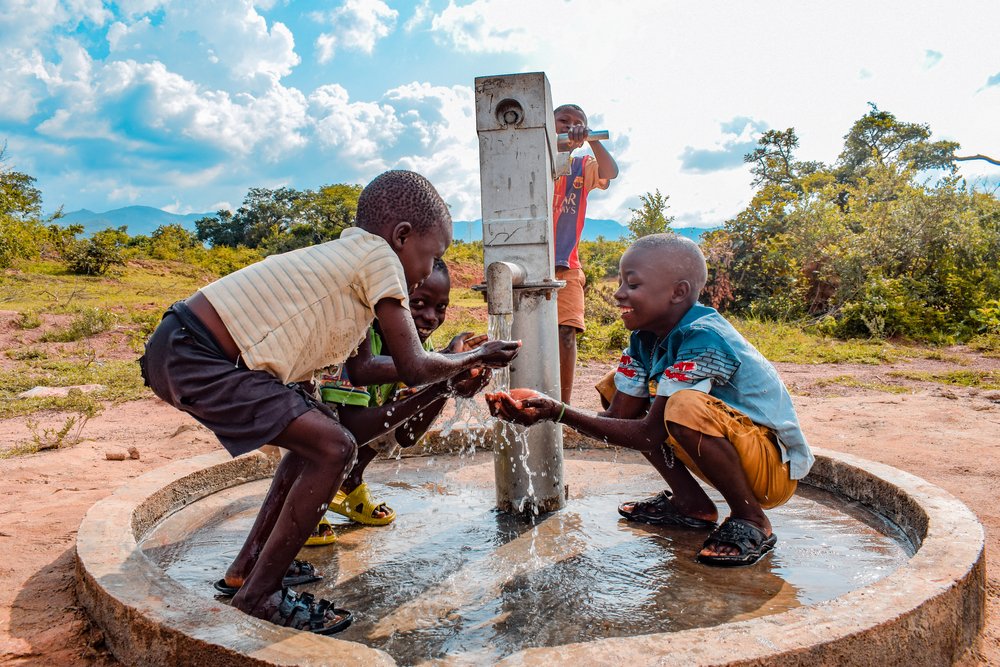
(498, 328)
(510, 439)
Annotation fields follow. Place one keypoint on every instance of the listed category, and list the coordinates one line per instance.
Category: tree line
(886, 241)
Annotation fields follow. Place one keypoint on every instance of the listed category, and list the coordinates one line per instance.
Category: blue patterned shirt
(705, 353)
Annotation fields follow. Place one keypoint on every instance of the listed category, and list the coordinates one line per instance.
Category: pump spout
(501, 278)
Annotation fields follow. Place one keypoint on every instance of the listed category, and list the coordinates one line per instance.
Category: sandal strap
(737, 533)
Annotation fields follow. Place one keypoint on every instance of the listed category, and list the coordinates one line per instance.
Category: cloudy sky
(184, 105)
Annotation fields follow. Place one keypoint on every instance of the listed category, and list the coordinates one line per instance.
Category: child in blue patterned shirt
(697, 400)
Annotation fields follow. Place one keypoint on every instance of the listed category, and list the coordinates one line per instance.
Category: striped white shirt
(293, 313)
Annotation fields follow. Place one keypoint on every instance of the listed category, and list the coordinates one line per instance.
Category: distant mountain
(472, 230)
(143, 220)
(140, 220)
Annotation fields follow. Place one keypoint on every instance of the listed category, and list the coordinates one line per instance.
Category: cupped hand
(498, 353)
(526, 412)
(465, 342)
(469, 383)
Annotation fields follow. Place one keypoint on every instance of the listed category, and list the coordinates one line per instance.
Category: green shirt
(339, 389)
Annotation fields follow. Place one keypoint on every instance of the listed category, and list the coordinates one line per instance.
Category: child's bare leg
(689, 498)
(366, 454)
(717, 459)
(322, 450)
(288, 471)
(567, 360)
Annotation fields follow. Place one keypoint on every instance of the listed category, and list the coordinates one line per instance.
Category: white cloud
(442, 119)
(486, 26)
(360, 130)
(356, 25)
(421, 15)
(177, 111)
(229, 34)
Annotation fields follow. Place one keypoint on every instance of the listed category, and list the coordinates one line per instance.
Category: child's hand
(577, 136)
(471, 382)
(498, 353)
(527, 412)
(465, 342)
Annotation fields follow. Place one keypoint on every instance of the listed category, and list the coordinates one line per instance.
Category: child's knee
(337, 448)
(684, 403)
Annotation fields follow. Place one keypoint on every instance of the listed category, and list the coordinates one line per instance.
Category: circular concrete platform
(926, 612)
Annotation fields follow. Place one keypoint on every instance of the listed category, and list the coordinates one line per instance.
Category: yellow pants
(756, 445)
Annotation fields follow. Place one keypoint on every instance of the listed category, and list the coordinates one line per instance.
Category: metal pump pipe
(517, 147)
(501, 277)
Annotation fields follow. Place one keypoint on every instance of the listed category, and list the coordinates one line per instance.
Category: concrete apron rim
(926, 612)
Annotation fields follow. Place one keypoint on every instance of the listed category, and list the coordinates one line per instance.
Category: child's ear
(682, 289)
(400, 233)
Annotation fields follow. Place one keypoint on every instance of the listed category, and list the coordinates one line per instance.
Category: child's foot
(737, 542)
(659, 510)
(359, 506)
(298, 573)
(322, 534)
(302, 611)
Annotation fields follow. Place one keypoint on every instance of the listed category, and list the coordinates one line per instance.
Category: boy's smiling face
(652, 295)
(567, 117)
(418, 250)
(429, 304)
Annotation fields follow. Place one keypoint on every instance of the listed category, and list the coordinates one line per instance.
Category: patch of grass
(786, 342)
(977, 379)
(143, 322)
(20, 449)
(851, 381)
(28, 319)
(121, 381)
(26, 354)
(45, 286)
(934, 354)
(987, 344)
(67, 435)
(88, 322)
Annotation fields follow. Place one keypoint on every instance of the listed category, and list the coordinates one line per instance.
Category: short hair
(687, 254)
(397, 196)
(441, 267)
(574, 107)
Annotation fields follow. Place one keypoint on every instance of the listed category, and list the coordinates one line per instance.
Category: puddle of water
(453, 578)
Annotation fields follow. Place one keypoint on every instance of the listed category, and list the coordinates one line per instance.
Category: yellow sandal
(322, 535)
(359, 506)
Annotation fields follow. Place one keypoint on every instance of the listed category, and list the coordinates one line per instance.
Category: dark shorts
(245, 409)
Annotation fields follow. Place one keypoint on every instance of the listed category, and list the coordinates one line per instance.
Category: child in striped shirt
(232, 354)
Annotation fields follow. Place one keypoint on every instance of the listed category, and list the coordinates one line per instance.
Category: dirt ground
(947, 435)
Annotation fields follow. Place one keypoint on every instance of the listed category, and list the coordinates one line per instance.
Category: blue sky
(186, 105)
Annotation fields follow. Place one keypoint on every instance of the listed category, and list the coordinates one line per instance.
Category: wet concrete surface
(453, 577)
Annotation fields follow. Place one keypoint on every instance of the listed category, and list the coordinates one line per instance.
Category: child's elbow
(411, 375)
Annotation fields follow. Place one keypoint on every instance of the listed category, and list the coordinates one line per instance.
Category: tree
(773, 161)
(319, 216)
(651, 217)
(22, 231)
(867, 247)
(879, 138)
(221, 230)
(284, 219)
(94, 256)
(170, 242)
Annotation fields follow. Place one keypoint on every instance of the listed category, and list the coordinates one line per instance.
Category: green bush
(28, 319)
(88, 322)
(94, 256)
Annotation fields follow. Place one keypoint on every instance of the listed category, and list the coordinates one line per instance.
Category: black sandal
(748, 538)
(659, 511)
(301, 611)
(298, 573)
